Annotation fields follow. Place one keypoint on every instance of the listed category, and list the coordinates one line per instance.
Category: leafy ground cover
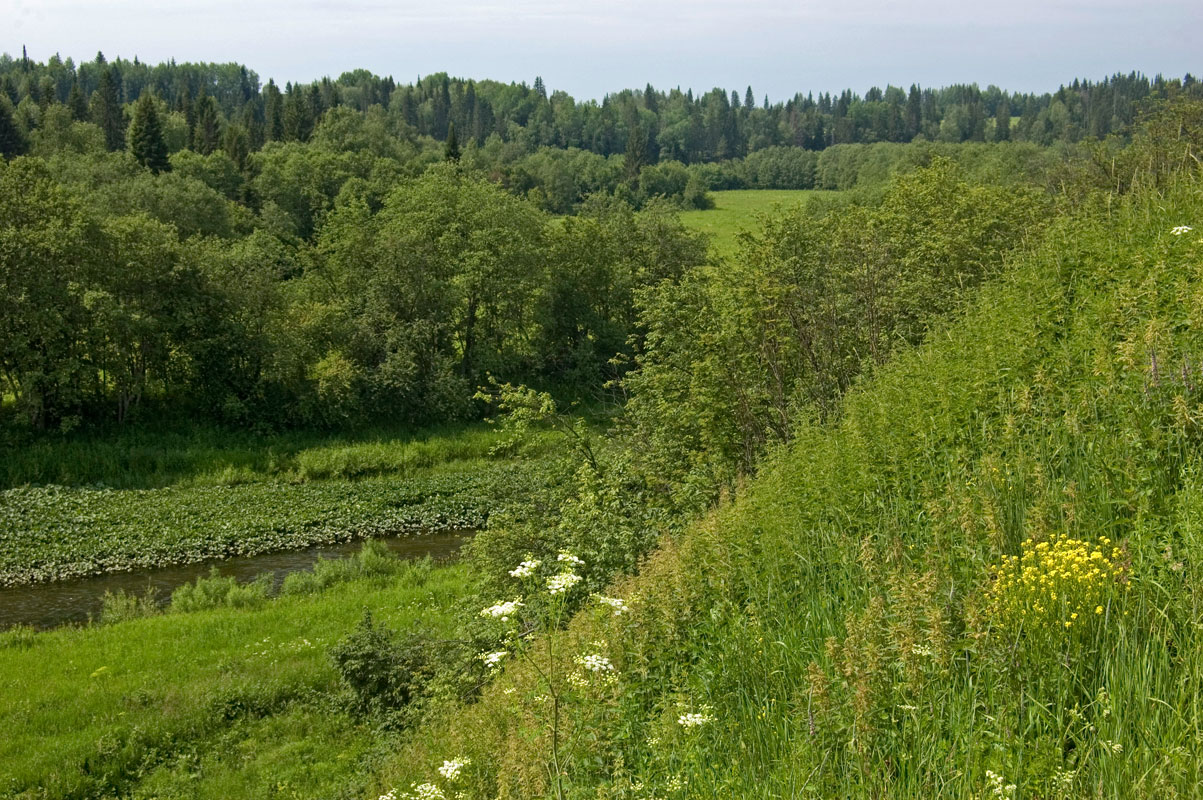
(218, 495)
(228, 702)
(736, 210)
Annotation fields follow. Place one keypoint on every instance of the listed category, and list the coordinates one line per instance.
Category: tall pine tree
(146, 135)
(106, 110)
(451, 151)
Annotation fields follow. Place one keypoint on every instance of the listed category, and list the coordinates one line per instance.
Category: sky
(590, 48)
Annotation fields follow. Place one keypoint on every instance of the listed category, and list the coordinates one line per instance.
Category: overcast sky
(590, 48)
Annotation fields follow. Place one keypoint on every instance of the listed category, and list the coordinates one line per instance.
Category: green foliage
(121, 606)
(146, 136)
(736, 356)
(217, 591)
(384, 674)
(227, 702)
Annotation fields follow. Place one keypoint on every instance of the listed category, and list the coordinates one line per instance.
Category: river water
(48, 605)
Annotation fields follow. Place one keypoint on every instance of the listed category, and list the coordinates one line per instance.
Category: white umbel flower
(502, 611)
(525, 569)
(451, 768)
(617, 605)
(559, 584)
(694, 719)
(569, 558)
(1181, 230)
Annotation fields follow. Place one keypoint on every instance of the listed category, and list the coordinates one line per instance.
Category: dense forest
(180, 240)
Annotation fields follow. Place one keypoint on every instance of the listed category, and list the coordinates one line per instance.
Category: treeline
(143, 295)
(646, 126)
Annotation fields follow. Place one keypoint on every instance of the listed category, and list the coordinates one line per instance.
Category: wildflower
(502, 611)
(391, 794)
(569, 558)
(694, 719)
(1115, 747)
(450, 769)
(619, 606)
(595, 663)
(1181, 229)
(559, 584)
(676, 783)
(525, 569)
(998, 786)
(426, 791)
(493, 659)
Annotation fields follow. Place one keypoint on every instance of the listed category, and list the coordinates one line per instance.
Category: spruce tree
(1002, 121)
(12, 138)
(273, 112)
(77, 103)
(106, 110)
(146, 135)
(451, 150)
(207, 137)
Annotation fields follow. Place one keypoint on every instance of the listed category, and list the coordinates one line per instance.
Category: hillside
(980, 579)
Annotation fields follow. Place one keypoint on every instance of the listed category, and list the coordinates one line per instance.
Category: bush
(384, 674)
(122, 606)
(217, 591)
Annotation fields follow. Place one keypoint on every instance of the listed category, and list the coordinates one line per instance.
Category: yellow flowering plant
(1056, 585)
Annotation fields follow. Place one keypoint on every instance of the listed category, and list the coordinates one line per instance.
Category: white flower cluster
(595, 663)
(525, 569)
(1115, 747)
(569, 558)
(694, 719)
(619, 606)
(451, 768)
(502, 611)
(391, 794)
(1181, 229)
(998, 786)
(559, 584)
(493, 659)
(426, 791)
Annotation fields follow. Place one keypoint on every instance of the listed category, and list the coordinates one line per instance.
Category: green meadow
(738, 211)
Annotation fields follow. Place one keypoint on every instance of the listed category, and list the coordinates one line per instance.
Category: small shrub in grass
(217, 591)
(384, 673)
(120, 606)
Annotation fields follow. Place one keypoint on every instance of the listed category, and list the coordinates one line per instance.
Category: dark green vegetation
(225, 702)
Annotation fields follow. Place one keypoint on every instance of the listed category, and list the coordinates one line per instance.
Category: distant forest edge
(177, 241)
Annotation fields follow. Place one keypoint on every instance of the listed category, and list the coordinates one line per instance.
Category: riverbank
(216, 703)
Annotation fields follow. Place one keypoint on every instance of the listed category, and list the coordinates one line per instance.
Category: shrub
(217, 591)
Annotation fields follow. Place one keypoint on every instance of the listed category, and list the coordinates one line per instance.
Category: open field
(736, 211)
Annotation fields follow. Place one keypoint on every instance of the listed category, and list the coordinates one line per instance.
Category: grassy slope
(223, 703)
(185, 498)
(736, 210)
(834, 618)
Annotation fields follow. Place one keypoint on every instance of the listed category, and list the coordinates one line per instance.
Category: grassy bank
(981, 580)
(209, 704)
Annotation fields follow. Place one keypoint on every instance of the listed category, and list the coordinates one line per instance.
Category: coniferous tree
(451, 151)
(273, 111)
(207, 137)
(77, 103)
(146, 135)
(106, 110)
(1002, 121)
(12, 138)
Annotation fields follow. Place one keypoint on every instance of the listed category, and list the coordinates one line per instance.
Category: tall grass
(836, 620)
